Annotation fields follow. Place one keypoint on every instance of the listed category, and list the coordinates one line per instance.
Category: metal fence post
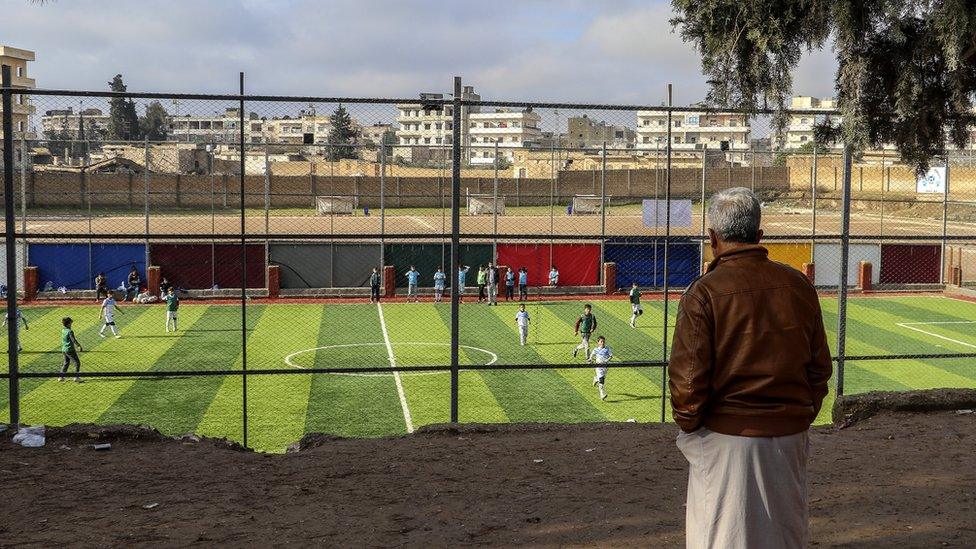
(494, 206)
(145, 179)
(845, 242)
(603, 210)
(240, 129)
(813, 204)
(455, 242)
(667, 236)
(382, 208)
(8, 204)
(945, 221)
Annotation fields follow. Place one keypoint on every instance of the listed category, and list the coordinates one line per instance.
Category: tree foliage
(906, 68)
(153, 125)
(123, 122)
(342, 136)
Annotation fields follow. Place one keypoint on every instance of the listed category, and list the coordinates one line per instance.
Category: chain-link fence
(283, 265)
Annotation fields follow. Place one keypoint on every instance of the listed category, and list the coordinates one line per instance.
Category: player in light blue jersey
(412, 277)
(462, 276)
(439, 280)
(601, 356)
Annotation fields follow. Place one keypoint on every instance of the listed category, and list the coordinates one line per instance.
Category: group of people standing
(488, 281)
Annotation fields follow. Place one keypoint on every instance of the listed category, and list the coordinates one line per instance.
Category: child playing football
(601, 357)
(635, 305)
(585, 325)
(522, 321)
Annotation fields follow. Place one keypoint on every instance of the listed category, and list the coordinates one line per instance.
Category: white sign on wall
(655, 213)
(934, 181)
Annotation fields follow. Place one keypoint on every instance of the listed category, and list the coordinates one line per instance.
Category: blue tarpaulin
(74, 266)
(642, 261)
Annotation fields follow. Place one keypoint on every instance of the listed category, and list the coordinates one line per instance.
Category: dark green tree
(123, 122)
(154, 124)
(906, 68)
(342, 136)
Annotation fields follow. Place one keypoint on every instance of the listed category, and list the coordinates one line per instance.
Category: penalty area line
(928, 333)
(407, 419)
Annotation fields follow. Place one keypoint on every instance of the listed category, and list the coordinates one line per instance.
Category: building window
(438, 141)
(20, 125)
(427, 126)
(449, 126)
(20, 72)
(803, 138)
(677, 123)
(660, 122)
(427, 140)
(437, 126)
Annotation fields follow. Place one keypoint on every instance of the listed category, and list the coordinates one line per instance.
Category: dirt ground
(897, 479)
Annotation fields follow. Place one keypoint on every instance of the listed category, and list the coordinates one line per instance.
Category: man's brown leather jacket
(750, 355)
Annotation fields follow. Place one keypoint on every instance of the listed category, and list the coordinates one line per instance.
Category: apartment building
(22, 109)
(58, 121)
(509, 129)
(426, 126)
(800, 129)
(220, 127)
(376, 134)
(587, 133)
(691, 131)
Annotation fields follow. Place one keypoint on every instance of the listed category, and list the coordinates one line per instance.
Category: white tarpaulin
(655, 213)
(932, 182)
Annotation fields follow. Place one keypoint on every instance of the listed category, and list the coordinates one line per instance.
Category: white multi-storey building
(800, 129)
(506, 128)
(216, 128)
(22, 110)
(692, 131)
(426, 127)
(70, 121)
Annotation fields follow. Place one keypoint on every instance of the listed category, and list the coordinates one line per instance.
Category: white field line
(926, 332)
(396, 375)
(938, 322)
(421, 221)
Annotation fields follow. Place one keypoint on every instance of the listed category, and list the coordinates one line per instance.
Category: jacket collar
(742, 252)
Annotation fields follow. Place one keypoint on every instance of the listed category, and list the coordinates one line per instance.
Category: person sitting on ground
(748, 374)
(134, 282)
(554, 276)
(101, 286)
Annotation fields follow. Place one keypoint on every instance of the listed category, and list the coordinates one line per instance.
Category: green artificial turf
(281, 408)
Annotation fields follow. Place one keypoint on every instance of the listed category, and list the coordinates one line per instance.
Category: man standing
(492, 284)
(374, 286)
(462, 276)
(748, 374)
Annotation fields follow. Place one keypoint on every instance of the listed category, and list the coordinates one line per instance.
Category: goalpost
(335, 205)
(485, 204)
(585, 204)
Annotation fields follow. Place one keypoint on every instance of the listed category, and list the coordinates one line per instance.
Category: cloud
(596, 51)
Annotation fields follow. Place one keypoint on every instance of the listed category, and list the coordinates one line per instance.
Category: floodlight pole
(9, 226)
(455, 243)
(494, 213)
(945, 220)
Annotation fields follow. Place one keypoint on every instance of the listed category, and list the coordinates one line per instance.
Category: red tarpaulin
(578, 264)
(910, 263)
(192, 266)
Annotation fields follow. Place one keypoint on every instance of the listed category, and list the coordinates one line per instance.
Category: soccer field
(291, 337)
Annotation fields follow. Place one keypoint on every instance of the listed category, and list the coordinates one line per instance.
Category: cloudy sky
(589, 51)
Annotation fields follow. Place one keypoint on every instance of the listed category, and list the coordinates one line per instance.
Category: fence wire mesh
(309, 243)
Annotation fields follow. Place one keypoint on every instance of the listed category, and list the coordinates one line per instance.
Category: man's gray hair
(734, 215)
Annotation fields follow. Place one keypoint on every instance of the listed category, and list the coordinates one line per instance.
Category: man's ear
(759, 235)
(712, 238)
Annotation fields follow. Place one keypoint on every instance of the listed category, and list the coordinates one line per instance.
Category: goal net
(335, 205)
(485, 204)
(584, 204)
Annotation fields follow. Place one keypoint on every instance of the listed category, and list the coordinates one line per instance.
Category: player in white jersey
(18, 320)
(601, 356)
(522, 321)
(107, 313)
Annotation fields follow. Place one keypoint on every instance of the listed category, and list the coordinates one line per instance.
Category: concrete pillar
(30, 283)
(274, 281)
(809, 269)
(864, 270)
(389, 281)
(609, 278)
(153, 276)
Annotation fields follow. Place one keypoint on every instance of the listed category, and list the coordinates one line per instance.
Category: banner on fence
(655, 213)
(934, 181)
